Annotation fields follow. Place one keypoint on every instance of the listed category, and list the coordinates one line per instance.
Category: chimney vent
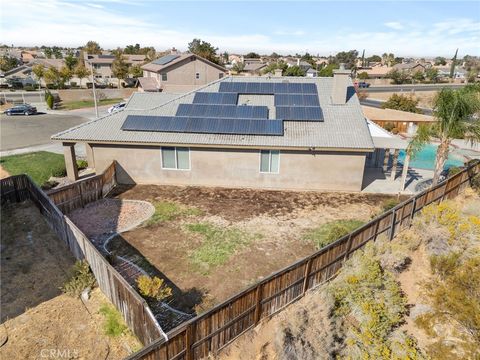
(340, 85)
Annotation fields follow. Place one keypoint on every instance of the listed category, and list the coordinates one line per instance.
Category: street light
(93, 88)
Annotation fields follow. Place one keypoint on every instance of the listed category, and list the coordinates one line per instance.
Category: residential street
(407, 87)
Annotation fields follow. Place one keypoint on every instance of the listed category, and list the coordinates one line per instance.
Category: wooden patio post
(405, 171)
(394, 165)
(385, 159)
(70, 160)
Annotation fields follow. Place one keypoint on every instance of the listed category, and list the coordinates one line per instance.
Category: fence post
(445, 189)
(349, 246)
(412, 214)
(377, 225)
(188, 342)
(392, 226)
(307, 273)
(258, 304)
(17, 197)
(81, 193)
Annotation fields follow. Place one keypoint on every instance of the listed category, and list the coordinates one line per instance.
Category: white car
(116, 107)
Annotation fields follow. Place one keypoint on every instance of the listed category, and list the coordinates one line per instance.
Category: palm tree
(456, 115)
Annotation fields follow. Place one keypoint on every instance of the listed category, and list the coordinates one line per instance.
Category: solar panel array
(223, 111)
(267, 88)
(165, 59)
(215, 98)
(296, 100)
(188, 124)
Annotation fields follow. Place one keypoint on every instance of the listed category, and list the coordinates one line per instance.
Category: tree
(402, 103)
(397, 76)
(136, 71)
(349, 58)
(39, 71)
(238, 67)
(418, 75)
(455, 112)
(374, 58)
(81, 72)
(65, 75)
(294, 71)
(274, 55)
(270, 69)
(52, 77)
(8, 63)
(132, 49)
(327, 71)
(439, 60)
(452, 68)
(203, 49)
(363, 75)
(252, 55)
(432, 74)
(120, 69)
(48, 52)
(70, 61)
(92, 47)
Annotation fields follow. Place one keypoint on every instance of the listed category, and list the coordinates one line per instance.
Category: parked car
(24, 109)
(363, 84)
(116, 107)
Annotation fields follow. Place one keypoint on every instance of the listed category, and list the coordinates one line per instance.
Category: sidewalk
(54, 147)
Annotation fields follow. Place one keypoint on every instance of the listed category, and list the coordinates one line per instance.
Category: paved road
(378, 104)
(26, 131)
(406, 87)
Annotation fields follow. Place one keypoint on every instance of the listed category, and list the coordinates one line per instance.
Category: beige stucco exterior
(182, 75)
(299, 170)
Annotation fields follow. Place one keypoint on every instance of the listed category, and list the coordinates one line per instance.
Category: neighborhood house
(259, 132)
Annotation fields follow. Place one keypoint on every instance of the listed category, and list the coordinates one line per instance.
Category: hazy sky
(424, 28)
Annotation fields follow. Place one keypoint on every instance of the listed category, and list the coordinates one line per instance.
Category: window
(197, 75)
(269, 161)
(177, 158)
(164, 77)
(220, 75)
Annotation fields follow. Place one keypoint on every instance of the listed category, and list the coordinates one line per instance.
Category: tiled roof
(156, 67)
(148, 83)
(344, 126)
(145, 100)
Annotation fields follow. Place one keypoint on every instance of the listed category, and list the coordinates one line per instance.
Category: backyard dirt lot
(210, 243)
(38, 320)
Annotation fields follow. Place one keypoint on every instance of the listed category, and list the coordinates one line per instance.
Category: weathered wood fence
(218, 327)
(133, 307)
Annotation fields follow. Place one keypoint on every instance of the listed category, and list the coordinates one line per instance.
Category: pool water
(425, 158)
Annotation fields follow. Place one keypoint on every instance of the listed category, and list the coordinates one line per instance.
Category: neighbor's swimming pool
(425, 158)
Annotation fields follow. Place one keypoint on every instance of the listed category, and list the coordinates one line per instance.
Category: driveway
(20, 131)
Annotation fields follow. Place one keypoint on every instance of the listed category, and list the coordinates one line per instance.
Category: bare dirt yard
(425, 98)
(210, 243)
(38, 320)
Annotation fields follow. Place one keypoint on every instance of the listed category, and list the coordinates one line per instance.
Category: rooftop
(343, 126)
(172, 59)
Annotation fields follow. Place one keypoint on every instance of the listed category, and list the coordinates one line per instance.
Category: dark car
(363, 84)
(24, 109)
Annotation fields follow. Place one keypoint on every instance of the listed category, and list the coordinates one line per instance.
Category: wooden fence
(133, 307)
(218, 327)
(76, 195)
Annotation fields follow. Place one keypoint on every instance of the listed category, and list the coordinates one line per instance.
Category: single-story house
(252, 132)
(182, 72)
(410, 68)
(403, 121)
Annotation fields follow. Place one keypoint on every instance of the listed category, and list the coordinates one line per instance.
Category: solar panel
(165, 59)
(215, 98)
(267, 88)
(300, 113)
(296, 100)
(223, 111)
(203, 125)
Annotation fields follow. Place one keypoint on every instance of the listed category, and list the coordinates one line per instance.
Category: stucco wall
(237, 168)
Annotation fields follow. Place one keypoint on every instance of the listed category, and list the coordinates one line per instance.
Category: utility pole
(93, 88)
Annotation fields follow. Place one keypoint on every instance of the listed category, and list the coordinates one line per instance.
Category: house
(254, 68)
(102, 66)
(375, 72)
(181, 72)
(410, 67)
(311, 73)
(253, 132)
(402, 121)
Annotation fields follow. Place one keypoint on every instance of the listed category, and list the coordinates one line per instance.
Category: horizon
(378, 27)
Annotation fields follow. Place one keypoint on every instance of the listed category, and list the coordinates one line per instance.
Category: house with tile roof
(102, 66)
(253, 132)
(179, 73)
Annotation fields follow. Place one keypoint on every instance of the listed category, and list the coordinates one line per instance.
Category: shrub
(114, 324)
(50, 101)
(331, 231)
(389, 204)
(153, 287)
(82, 164)
(454, 170)
(389, 126)
(80, 278)
(59, 172)
(395, 131)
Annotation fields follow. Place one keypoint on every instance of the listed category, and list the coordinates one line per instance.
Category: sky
(420, 28)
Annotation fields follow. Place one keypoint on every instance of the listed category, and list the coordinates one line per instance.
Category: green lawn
(72, 105)
(331, 231)
(40, 166)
